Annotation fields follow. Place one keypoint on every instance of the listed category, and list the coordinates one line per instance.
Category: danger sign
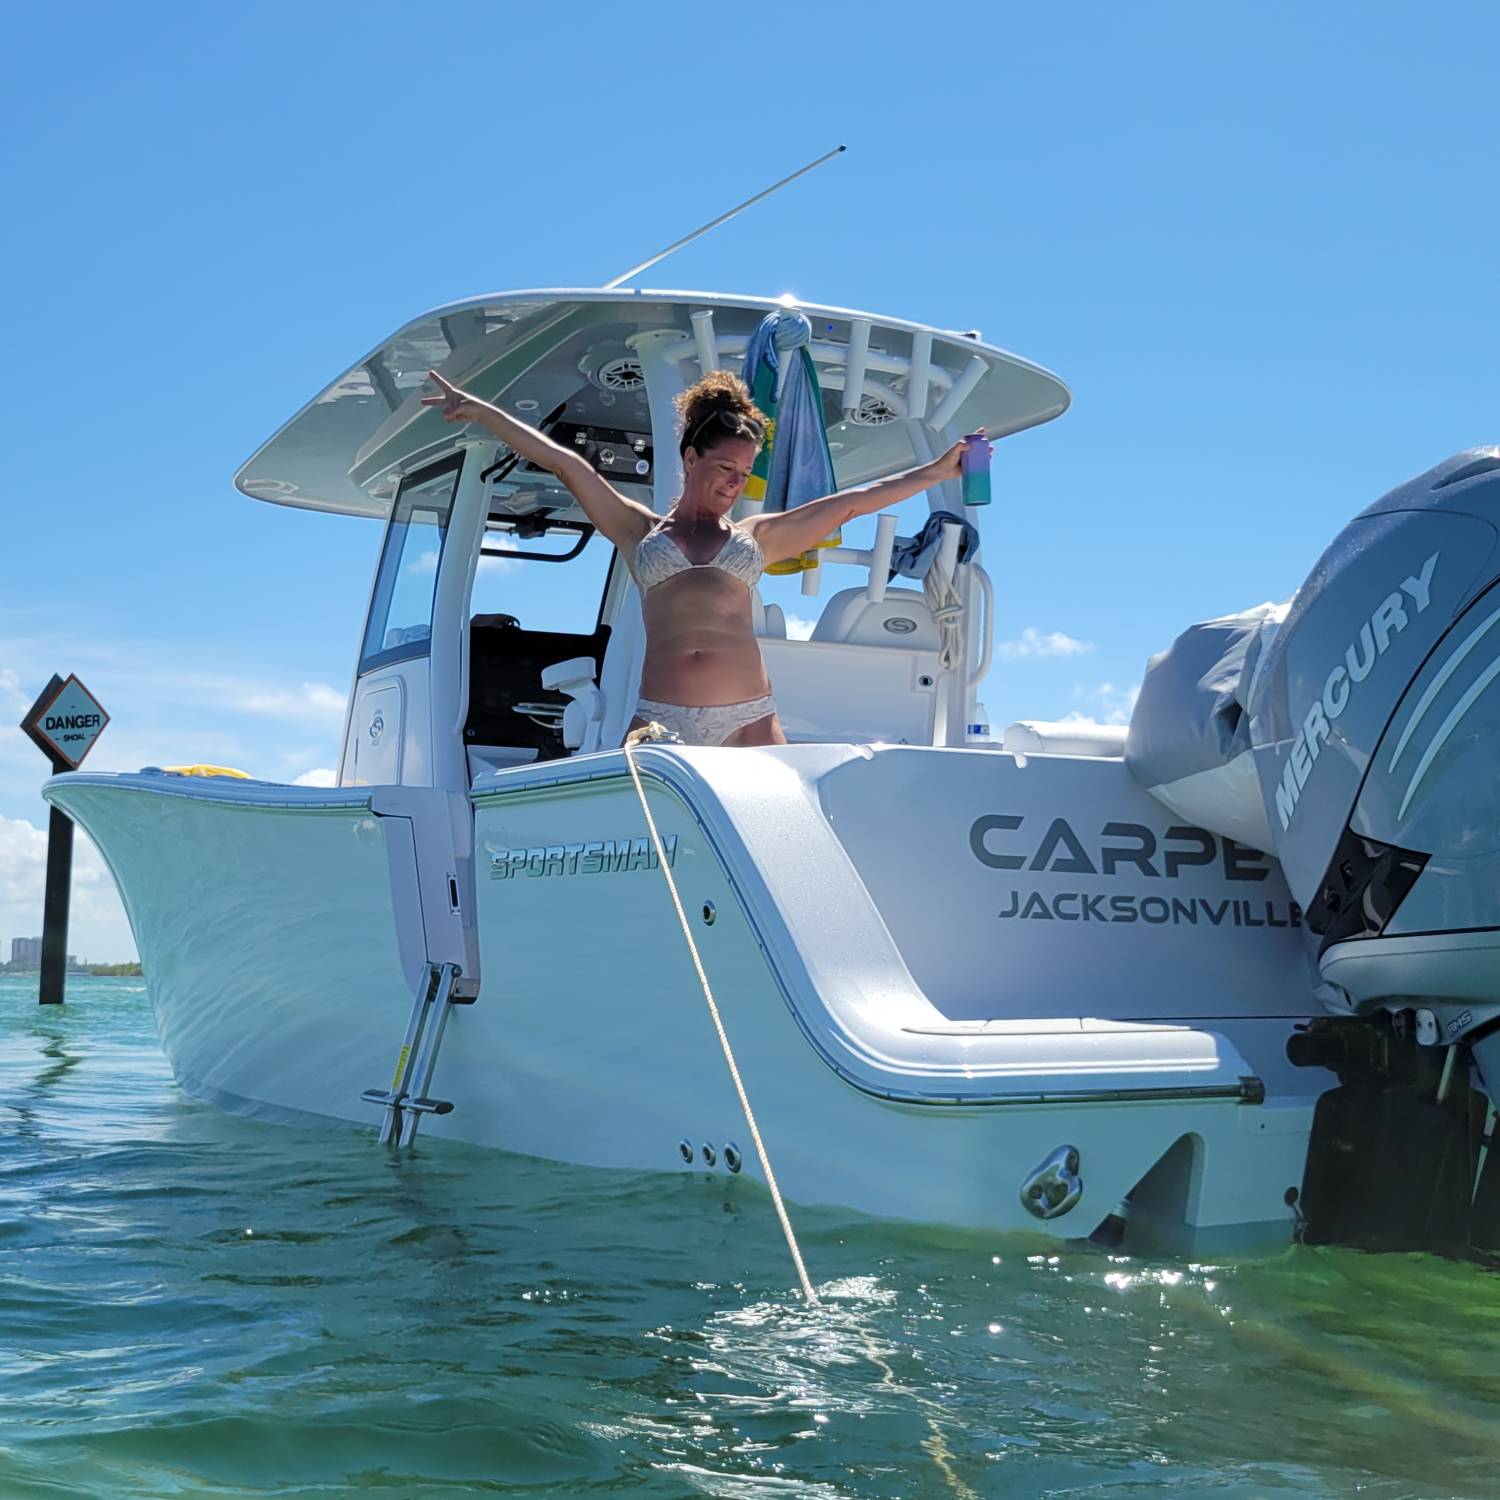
(65, 721)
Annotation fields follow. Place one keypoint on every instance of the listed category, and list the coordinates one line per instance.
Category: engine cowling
(1369, 710)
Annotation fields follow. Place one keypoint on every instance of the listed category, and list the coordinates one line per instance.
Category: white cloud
(12, 700)
(1034, 642)
(490, 566)
(97, 928)
(798, 629)
(313, 702)
(168, 708)
(127, 673)
(321, 776)
(172, 701)
(23, 861)
(1109, 704)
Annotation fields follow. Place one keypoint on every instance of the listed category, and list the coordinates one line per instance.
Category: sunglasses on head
(732, 422)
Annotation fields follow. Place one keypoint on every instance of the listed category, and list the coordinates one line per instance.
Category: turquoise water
(197, 1305)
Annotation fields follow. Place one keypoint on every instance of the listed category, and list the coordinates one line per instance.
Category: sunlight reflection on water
(197, 1304)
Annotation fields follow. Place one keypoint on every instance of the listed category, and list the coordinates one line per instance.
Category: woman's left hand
(458, 405)
(950, 465)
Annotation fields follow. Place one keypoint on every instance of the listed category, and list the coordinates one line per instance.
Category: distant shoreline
(90, 971)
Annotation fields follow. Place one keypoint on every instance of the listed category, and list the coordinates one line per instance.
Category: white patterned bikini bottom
(705, 726)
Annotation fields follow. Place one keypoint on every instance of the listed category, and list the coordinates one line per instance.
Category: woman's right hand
(950, 465)
(458, 406)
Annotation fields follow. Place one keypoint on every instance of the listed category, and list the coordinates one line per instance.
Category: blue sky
(1257, 240)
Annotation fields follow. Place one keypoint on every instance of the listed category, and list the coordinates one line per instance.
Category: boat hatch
(570, 356)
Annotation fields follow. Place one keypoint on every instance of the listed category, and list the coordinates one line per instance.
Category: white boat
(997, 985)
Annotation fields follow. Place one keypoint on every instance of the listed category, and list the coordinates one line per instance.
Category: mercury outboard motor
(1370, 712)
(1375, 726)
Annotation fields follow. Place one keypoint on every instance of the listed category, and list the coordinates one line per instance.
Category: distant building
(26, 953)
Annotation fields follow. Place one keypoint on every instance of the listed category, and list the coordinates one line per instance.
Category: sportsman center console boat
(1213, 985)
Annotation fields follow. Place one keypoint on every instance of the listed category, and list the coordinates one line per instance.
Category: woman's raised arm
(790, 533)
(623, 521)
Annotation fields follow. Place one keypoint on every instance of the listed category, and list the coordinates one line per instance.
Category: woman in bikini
(703, 676)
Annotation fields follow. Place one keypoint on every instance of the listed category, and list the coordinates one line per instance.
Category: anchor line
(935, 1446)
(654, 731)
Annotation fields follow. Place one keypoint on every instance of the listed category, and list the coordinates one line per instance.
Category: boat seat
(767, 620)
(867, 673)
(901, 620)
(506, 662)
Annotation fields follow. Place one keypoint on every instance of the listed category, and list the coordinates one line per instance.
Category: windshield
(400, 624)
(536, 595)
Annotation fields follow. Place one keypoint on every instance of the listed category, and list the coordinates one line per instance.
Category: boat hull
(276, 936)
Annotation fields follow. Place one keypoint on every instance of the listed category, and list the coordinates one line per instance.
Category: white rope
(935, 1446)
(654, 731)
(946, 601)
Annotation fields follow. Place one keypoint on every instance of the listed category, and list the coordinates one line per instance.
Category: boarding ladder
(407, 1099)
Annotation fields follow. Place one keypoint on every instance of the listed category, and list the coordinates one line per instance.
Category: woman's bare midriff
(700, 642)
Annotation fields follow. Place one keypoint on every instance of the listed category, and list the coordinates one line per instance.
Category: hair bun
(718, 391)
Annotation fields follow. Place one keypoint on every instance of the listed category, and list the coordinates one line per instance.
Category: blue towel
(914, 555)
(798, 465)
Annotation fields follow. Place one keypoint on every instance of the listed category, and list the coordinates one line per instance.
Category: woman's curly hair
(726, 397)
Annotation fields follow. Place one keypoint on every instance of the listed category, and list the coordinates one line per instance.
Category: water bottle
(976, 469)
(978, 729)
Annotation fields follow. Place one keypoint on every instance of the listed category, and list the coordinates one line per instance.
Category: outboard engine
(1370, 713)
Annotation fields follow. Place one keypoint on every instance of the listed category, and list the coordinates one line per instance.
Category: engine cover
(1375, 726)
(1370, 712)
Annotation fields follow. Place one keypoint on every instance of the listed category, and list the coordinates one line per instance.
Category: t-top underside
(884, 380)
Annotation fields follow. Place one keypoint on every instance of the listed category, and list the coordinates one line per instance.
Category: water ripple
(196, 1305)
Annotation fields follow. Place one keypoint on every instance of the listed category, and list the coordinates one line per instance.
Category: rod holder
(858, 363)
(921, 376)
(880, 556)
(947, 558)
(962, 389)
(658, 350)
(705, 340)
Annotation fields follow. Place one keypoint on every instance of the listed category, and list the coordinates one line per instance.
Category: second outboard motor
(1375, 726)
(1370, 712)
(1374, 721)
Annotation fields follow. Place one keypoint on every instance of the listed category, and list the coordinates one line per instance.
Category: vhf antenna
(697, 234)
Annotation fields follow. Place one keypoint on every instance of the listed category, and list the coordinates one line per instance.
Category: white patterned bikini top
(658, 558)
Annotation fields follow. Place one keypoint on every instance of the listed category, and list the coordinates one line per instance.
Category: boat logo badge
(900, 625)
(377, 726)
(597, 857)
(1051, 1189)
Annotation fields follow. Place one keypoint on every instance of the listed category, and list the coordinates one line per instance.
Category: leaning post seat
(506, 663)
(900, 618)
(871, 669)
(868, 673)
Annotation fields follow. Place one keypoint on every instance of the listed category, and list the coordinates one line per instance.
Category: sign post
(63, 723)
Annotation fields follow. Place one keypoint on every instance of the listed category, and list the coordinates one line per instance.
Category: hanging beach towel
(795, 464)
